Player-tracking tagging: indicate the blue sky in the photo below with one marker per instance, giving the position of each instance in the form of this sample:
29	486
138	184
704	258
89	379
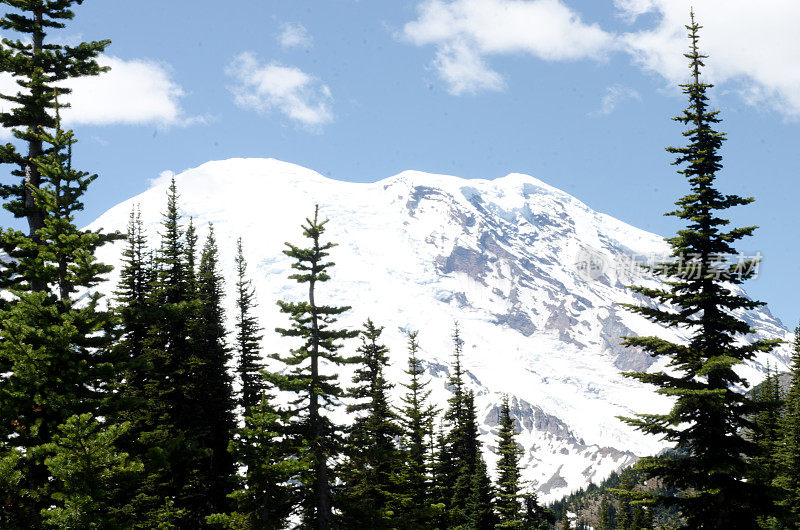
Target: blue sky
577	93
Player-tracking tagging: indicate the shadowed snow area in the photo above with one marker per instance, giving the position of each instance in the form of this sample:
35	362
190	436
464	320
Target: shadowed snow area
532	274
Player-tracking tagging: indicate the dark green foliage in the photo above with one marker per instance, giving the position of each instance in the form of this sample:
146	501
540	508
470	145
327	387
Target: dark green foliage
93	478
39	67
315	436
209	387
607	516
479	505
265	497
56	355
788	458
766	431
537	517
248	336
163	418
460	446
416	418
509	483
709	417
373	459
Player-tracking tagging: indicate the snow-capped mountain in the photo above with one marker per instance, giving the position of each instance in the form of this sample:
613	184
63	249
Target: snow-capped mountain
532	274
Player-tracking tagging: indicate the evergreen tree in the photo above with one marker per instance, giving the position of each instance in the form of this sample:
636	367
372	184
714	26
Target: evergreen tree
316	437
537	517
479	506
39	67
209	387
248	336
132	299
164	431
508	470
416	418
465	447
788	479
56	357
265	497
709	416
369	471
93	479
766	431
460	446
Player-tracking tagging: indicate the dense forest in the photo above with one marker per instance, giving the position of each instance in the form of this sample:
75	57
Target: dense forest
121	413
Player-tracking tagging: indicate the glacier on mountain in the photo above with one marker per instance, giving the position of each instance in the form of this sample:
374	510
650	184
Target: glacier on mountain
533	275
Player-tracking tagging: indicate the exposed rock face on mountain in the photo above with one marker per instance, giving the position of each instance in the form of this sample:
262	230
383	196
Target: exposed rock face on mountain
532	275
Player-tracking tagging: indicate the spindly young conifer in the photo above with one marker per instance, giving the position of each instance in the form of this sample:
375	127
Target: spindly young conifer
372	456
509	482
248	336
316	390
710	416
417	416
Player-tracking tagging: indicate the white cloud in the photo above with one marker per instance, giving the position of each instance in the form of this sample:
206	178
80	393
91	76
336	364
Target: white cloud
133	92
615	94
286	89
752	46
466	32
294	36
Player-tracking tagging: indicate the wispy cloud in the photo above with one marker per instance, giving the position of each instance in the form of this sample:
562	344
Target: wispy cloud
294	36
266	87
468	32
752	46
615	94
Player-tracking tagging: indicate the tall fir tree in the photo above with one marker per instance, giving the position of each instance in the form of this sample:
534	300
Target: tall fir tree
788	479
709	417
766	431
248	336
509	473
209	386
480	501
417	416
316	437
369	471
39	66
56	353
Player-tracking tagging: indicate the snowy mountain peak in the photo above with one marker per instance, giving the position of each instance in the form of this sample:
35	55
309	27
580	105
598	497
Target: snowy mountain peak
533	275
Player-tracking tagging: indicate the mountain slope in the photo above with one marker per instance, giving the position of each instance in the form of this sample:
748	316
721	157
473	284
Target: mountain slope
532	274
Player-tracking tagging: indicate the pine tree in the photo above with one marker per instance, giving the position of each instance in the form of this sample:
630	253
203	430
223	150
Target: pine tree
39	68
209	387
372	456
163	422
55	349
132	298
248	336
317	438
465	448
508	470
479	507
709	416
459	451
788	479
416	419
93	479
766	431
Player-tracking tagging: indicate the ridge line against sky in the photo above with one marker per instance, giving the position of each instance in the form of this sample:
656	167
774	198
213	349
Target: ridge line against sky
576	92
